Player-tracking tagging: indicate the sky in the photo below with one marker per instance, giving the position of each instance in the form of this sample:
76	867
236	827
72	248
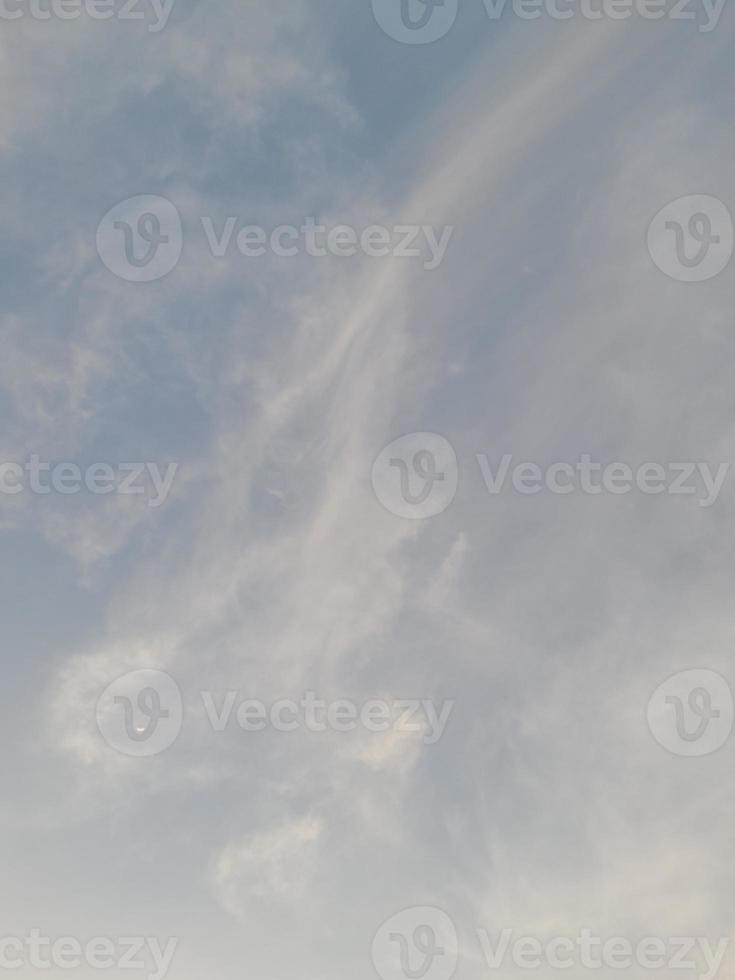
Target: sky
232	476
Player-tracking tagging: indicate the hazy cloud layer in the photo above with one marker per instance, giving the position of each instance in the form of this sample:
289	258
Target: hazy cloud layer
273	570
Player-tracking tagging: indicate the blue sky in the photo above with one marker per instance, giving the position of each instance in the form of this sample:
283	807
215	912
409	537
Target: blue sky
272	569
